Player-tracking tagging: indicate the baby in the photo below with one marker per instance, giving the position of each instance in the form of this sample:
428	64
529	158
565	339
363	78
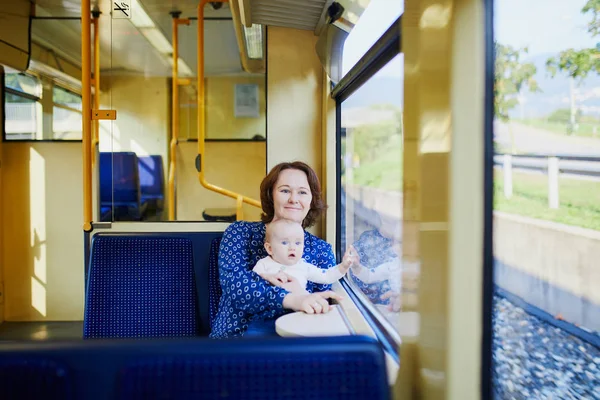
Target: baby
284	241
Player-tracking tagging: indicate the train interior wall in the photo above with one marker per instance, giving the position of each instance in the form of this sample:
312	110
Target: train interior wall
41	202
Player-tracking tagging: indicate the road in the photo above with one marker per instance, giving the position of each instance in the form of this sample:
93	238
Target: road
535	140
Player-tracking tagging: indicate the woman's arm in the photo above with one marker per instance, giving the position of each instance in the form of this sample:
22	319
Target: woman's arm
247	290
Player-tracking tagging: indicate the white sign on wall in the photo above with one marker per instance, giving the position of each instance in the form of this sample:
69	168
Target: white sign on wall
246	101
121	9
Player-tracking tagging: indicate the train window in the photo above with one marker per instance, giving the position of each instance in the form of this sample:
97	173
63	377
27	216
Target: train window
371	187
66	114
546	229
22	95
31	116
374	21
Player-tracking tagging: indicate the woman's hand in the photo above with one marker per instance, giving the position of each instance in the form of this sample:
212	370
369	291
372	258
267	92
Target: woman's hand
315	303
285	281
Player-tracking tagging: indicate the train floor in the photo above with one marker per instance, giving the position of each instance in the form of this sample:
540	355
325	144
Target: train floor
535	360
17	331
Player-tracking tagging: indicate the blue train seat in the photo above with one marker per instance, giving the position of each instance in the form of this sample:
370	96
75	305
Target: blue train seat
152	181
120	185
27	376
140	286
214	284
332	368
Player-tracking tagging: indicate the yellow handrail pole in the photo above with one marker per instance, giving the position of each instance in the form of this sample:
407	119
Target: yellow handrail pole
201	127
175	121
86	115
96	131
239	213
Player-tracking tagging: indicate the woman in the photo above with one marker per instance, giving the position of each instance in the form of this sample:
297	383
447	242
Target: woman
290	191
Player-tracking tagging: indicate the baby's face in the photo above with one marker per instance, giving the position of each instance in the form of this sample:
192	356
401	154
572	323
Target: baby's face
287	244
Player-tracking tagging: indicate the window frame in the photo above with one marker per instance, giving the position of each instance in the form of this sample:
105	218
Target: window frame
388	46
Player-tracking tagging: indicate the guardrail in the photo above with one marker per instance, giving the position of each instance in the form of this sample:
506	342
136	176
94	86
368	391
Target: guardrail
549	164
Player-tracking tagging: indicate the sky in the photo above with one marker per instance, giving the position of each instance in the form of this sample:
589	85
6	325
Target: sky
545	26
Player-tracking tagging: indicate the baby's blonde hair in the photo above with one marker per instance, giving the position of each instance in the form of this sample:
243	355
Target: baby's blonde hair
278	223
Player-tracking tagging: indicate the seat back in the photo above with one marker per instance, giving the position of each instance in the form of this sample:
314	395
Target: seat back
140	286
152	178
214	284
331	368
24	376
119	179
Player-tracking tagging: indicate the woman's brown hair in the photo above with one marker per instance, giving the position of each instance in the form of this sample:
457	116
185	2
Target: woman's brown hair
317	205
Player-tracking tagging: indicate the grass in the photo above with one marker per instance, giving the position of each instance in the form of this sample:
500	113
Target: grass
579	199
384	172
585	128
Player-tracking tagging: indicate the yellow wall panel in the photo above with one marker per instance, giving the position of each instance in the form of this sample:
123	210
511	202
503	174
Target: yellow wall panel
295	87
237	166
42	253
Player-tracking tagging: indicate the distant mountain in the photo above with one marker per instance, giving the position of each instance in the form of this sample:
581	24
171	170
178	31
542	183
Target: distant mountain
555	93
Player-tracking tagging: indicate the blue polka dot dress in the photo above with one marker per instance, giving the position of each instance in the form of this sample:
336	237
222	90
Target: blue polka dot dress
246	296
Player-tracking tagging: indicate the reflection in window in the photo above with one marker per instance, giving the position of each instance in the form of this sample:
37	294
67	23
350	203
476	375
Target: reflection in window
371	177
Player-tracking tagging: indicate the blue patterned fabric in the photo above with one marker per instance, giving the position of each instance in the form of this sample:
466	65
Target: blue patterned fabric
214	286
332	368
31	378
246	296
328	368
140	287
373	250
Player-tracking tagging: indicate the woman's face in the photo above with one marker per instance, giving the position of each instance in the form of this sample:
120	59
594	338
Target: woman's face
291	195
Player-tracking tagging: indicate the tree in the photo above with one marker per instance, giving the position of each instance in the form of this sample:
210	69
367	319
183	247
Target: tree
511	76
578	64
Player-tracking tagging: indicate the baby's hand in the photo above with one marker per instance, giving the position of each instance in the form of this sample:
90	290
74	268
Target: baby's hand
350	258
278	279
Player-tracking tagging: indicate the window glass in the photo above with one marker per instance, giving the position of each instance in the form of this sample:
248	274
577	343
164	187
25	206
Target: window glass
546	207
23	83
20	117
375	20
66	124
371	185
66	98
